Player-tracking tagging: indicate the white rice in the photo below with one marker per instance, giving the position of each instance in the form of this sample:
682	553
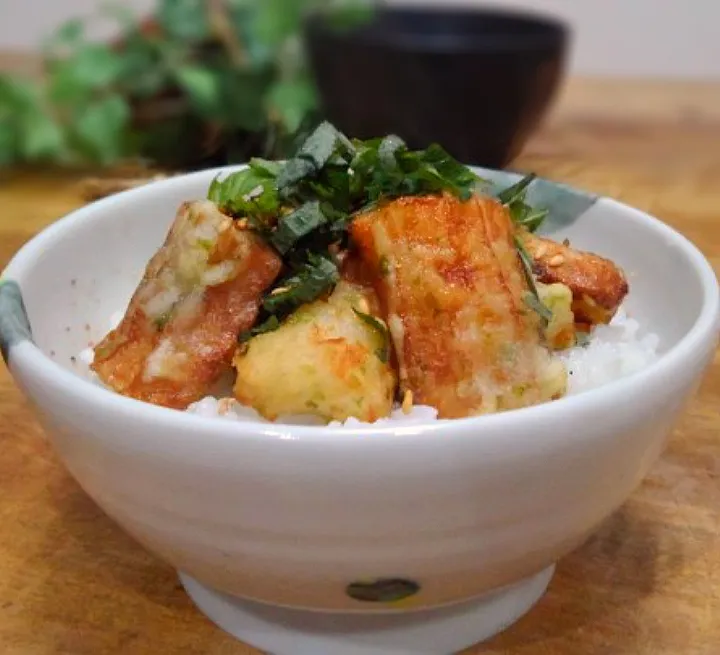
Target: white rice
231	409
614	351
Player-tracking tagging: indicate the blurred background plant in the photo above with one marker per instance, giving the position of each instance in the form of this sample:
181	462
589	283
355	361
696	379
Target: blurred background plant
200	82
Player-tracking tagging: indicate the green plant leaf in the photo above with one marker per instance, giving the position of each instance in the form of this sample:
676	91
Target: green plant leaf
242	15
313	278
120	13
184	19
270	169
268	325
351	13
42	138
68	35
513	197
249	193
100	128
18	95
91	68
317	150
202	87
276	20
295	226
36	135
532	298
144	70
292	101
243	98
264	106
383	353
8	143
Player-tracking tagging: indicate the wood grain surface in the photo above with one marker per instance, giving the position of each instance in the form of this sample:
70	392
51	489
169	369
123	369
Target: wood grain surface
648	583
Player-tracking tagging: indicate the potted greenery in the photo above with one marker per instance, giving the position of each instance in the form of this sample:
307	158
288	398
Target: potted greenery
201	82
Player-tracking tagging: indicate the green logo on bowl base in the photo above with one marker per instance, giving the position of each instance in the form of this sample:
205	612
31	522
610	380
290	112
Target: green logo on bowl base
384	590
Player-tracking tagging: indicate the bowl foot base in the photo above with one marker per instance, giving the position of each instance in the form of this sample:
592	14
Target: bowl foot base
439	631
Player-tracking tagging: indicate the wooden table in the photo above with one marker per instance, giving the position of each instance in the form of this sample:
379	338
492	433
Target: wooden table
647	584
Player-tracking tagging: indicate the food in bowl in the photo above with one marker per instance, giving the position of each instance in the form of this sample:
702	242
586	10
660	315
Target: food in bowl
360	282
402	533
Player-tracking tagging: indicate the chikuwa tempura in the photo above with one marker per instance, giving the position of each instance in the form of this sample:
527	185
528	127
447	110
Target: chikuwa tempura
356	281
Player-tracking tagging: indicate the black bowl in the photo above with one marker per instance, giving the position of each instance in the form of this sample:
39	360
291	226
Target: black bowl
477	82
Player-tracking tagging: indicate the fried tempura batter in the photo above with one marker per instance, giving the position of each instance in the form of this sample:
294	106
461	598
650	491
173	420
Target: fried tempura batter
199	291
454	293
325	360
597	284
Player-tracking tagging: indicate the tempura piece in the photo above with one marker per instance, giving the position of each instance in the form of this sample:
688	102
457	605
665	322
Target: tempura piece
453	288
559	332
597	284
329	359
199	291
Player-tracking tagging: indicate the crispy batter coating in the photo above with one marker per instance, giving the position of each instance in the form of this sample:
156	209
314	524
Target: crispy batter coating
560	332
323	361
454	293
199	291
597	284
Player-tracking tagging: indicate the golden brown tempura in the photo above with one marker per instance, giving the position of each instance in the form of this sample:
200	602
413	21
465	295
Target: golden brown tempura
454	293
597	284
199	291
324	360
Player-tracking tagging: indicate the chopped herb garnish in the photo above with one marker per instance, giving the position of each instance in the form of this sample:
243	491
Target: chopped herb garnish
387	150
517	191
297	225
534	303
268	325
532	299
305	205
319	148
346	176
310	281
249	193
264	166
514	199
383	353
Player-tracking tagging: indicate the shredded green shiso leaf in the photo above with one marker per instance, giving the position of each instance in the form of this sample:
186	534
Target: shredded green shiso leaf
303	206
383	353
514	199
532	299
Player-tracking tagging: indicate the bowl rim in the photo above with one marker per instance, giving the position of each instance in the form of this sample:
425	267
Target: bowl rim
698	341
552	32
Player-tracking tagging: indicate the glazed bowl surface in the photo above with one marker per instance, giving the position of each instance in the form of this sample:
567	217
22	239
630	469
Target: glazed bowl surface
372	519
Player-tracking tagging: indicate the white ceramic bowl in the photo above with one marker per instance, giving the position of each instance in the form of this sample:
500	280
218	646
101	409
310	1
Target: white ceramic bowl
292	516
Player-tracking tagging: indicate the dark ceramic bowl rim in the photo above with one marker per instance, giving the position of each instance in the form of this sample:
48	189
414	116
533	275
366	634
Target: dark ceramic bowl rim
548	32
